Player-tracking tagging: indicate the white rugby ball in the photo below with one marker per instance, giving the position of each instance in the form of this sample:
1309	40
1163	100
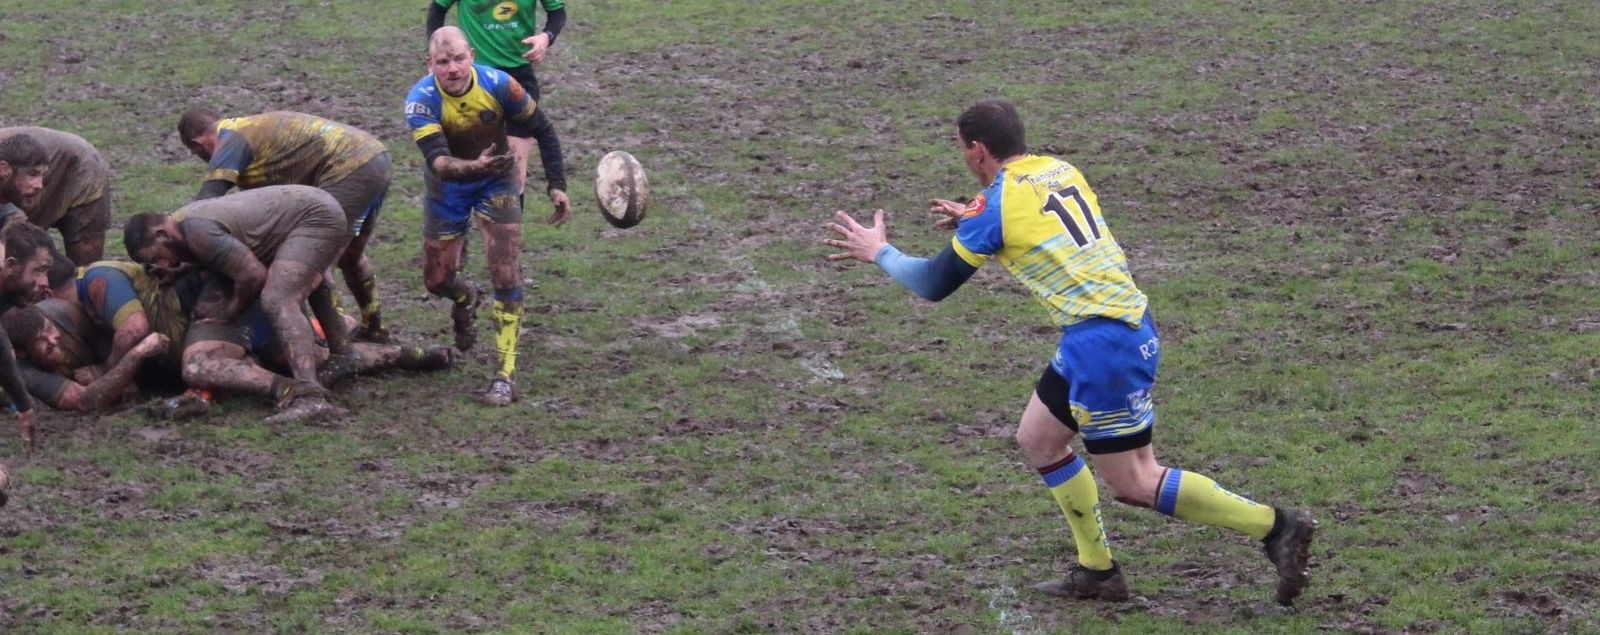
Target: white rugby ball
623	189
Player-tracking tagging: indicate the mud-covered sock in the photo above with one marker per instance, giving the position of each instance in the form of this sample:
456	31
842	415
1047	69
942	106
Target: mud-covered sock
1072	485
508	325
1195	498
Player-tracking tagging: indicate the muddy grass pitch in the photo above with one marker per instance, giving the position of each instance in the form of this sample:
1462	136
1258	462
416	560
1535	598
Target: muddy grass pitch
1368	233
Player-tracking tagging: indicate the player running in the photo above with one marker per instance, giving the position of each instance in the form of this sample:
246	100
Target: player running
1037	215
458	116
291	148
75	194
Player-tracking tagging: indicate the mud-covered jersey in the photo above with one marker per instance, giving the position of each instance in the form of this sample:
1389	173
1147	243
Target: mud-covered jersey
1043	223
261	219
472	121
288	148
77	174
496	28
111	291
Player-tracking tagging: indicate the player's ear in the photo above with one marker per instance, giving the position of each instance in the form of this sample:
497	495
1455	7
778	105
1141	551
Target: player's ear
5	171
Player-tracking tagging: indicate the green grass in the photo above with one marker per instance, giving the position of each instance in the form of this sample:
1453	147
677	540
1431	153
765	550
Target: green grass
1367	232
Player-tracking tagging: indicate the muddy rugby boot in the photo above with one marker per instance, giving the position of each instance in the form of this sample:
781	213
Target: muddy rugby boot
365	333
501	392
339	369
1087	584
463	317
424	359
190	404
302	403
1288	546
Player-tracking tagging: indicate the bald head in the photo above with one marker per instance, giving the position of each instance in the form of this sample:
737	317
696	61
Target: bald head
448	36
450	60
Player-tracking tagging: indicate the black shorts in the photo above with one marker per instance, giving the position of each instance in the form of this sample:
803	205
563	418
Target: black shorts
530	84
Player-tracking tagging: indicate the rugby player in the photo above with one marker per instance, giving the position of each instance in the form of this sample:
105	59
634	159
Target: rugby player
25	272
12	385
273	244
75	191
503	35
1037	215
458	116
291	148
61	371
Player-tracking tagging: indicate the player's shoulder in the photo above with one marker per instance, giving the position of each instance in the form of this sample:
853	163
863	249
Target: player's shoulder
491	78
424	90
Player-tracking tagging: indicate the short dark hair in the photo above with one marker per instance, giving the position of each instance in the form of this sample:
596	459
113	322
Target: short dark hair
62	269
196	121
140	232
24	240
22	326
996	124
23	151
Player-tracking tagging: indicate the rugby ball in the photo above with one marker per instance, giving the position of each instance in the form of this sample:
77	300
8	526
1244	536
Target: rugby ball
622	188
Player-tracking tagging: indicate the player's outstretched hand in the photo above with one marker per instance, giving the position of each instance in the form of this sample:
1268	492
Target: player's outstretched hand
491	163
948	212
538	45
860	243
563	208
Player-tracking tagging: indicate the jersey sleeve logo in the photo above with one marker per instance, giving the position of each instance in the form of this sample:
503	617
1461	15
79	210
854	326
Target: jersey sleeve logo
975	207
418	108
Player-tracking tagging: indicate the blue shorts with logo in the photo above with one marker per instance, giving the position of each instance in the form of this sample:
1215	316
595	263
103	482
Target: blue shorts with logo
1099	382
447	213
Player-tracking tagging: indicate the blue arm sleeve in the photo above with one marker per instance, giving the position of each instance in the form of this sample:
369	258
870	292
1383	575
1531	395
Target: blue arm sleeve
932	279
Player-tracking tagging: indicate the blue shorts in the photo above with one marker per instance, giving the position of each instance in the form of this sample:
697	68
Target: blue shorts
447	213
1100	380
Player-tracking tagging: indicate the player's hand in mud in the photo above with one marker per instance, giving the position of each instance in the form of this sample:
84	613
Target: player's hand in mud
948	212
563	209
859	242
491	163
152	345
538	45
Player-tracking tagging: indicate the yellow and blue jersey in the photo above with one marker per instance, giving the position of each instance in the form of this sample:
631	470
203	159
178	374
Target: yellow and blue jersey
288	148
472	121
111	291
1043	223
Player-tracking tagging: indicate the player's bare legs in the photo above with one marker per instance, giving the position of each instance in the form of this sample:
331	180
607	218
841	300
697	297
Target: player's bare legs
1047	443
441	262
503	244
288	284
363	284
1137	478
327	313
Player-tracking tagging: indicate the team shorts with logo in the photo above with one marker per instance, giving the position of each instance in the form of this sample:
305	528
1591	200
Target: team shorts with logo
1100	380
450	206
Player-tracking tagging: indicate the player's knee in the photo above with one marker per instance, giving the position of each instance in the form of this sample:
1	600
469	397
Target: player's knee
440	285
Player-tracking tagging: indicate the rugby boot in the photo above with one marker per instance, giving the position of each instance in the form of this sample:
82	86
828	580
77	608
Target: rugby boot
1087	584
192	403
430	358
339	369
1288	546
304	402
501	392
463	317
373	334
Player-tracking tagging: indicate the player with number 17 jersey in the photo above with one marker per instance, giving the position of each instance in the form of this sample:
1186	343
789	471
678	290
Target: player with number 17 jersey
1043	223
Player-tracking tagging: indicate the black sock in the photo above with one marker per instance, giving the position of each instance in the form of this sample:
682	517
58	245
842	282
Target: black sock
1277	526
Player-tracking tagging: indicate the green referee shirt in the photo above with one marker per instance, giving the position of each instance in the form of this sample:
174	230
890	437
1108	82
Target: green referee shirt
496	28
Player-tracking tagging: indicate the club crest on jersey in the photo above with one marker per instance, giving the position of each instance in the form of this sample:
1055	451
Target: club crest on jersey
505	11
486	116
974	207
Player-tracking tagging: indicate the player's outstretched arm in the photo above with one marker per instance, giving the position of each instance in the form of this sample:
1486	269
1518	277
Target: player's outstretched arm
451	168
932	279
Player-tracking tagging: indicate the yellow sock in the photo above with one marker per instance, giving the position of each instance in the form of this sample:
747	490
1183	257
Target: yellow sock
508	322
1072	485
1193	497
